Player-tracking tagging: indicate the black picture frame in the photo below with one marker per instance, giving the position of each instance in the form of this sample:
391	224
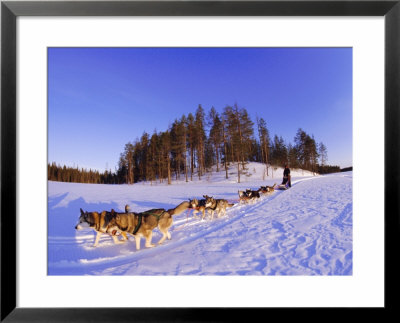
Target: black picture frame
10	10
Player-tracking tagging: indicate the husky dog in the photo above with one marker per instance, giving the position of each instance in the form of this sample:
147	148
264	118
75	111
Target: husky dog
198	206
217	205
100	222
248	195
253	194
143	224
243	196
267	189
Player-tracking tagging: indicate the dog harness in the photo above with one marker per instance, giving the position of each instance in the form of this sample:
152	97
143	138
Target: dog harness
146	213
140	215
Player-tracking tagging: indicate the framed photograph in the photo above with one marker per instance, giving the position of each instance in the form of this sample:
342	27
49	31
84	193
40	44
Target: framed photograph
193	160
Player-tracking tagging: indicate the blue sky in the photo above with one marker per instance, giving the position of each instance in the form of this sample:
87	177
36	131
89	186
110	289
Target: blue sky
99	99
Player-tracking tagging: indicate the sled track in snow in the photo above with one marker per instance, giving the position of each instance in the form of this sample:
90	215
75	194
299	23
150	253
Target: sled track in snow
235	213
79	267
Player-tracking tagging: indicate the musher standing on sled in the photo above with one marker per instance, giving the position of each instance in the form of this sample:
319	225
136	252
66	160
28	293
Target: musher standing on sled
286	176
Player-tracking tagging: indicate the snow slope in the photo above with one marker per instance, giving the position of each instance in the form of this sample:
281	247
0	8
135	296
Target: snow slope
306	230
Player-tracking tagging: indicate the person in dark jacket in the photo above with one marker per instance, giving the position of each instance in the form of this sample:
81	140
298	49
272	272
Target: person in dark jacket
286	176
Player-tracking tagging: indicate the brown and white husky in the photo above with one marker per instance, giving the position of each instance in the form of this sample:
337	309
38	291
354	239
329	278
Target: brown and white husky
142	224
100	222
217	205
198	206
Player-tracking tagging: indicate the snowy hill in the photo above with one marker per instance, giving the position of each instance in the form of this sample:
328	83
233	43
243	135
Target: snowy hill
306	230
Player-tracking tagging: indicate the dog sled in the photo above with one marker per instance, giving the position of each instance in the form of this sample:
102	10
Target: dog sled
286	183
283	186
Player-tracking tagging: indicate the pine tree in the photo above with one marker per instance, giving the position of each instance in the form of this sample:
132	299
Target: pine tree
292	156
300	145
224	135
240	132
323	153
200	139
279	151
232	135
307	150
312	146
166	153
265	140
183	125
191	132
216	135
154	147
177	146
246	134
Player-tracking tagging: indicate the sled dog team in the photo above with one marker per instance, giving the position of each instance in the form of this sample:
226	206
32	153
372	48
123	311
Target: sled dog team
209	204
136	224
250	195
142	224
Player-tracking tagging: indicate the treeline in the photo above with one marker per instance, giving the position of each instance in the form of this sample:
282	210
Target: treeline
75	175
327	169
196	142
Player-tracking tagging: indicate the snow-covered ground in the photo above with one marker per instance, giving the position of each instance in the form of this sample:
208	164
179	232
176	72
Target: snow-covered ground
306	230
